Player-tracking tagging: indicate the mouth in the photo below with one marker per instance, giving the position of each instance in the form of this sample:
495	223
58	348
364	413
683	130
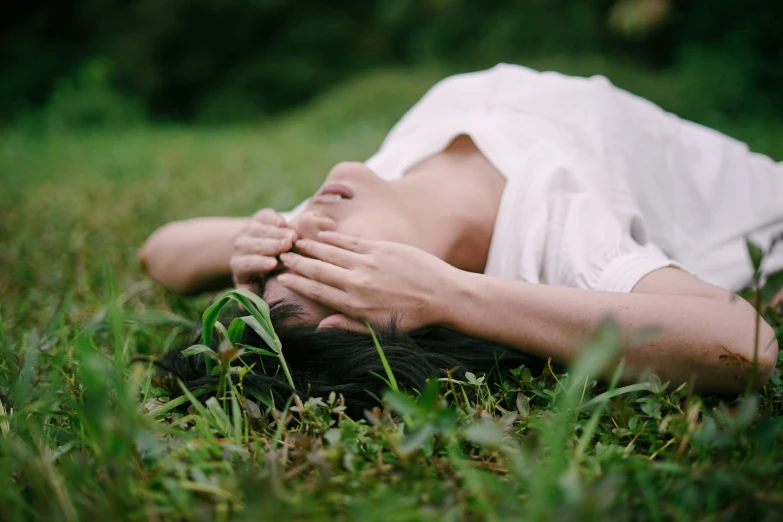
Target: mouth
333	192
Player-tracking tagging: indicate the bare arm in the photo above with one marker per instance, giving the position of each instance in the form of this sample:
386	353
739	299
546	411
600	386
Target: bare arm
192	256
201	254
705	333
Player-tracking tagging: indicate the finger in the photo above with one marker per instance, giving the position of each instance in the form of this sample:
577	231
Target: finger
328	253
261	246
269	217
315	269
256	229
354	244
343	322
318	292
250	268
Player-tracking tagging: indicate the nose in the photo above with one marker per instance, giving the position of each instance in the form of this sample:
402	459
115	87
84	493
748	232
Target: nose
347	169
309	223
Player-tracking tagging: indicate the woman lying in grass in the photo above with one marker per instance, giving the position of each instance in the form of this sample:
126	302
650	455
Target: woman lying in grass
519	208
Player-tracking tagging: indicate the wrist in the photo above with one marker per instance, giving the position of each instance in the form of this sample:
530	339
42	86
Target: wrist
451	300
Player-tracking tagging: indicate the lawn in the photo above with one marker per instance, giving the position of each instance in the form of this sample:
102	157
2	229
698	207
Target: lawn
86	432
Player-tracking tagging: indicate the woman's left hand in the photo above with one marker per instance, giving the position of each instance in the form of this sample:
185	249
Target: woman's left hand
369	281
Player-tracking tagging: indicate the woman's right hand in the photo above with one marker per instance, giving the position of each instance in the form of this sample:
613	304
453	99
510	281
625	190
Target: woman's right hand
264	237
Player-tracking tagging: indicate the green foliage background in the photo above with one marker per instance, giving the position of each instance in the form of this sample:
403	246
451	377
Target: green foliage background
228	60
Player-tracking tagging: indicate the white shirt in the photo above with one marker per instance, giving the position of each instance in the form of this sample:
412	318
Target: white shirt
602	187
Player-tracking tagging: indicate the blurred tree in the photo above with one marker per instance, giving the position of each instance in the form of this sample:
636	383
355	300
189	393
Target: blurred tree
232	59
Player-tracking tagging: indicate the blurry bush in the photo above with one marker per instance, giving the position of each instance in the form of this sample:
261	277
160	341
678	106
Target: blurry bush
214	60
83	101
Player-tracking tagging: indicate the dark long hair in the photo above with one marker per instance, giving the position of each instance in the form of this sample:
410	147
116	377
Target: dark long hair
348	363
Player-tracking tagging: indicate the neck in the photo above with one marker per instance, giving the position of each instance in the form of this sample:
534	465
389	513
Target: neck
451	202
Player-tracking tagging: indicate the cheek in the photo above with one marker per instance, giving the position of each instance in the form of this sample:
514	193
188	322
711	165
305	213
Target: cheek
380	222
367	226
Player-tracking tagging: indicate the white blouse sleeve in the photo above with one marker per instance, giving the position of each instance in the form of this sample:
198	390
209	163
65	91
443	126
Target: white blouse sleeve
588	247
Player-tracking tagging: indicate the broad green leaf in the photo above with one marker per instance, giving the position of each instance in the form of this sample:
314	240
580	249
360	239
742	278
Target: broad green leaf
252	409
235	330
523	405
257	327
416	439
261	305
200	348
219	417
400	402
209	319
333	436
259	310
259	320
484	433
259	351
250	301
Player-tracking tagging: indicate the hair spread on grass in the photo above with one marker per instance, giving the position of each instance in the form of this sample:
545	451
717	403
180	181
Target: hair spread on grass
346	362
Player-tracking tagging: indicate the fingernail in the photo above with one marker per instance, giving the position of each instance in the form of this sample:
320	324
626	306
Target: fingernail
284	279
285	257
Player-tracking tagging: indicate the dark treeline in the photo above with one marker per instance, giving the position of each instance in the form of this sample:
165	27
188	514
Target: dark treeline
193	59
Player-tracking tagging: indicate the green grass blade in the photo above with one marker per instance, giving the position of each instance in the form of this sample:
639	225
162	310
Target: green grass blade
173	403
384	362
589	431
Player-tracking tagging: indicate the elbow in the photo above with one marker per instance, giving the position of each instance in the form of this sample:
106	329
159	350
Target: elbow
752	351
767	353
150	256
156	263
143	257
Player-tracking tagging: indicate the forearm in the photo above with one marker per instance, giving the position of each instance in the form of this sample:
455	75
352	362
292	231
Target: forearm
703	337
191	256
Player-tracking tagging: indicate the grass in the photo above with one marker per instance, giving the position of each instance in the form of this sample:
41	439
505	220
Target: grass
86	433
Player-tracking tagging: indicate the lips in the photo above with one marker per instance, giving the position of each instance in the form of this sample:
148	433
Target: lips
333	192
